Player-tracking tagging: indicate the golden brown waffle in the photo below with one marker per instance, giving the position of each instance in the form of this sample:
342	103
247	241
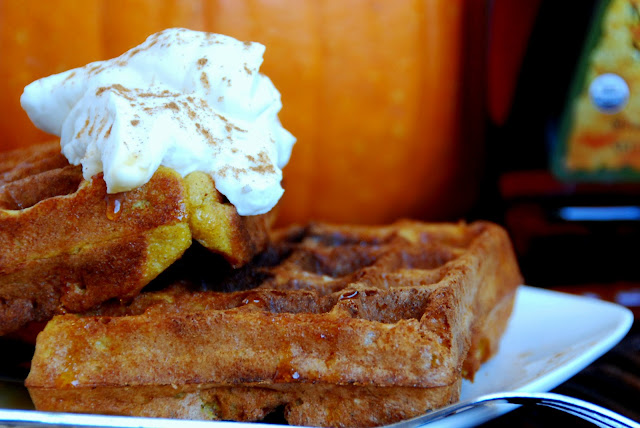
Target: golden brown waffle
66	246
344	326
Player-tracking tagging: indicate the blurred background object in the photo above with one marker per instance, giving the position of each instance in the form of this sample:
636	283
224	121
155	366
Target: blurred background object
510	26
571	227
385	98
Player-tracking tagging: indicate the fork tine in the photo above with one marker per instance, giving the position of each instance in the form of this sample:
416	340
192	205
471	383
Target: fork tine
588	411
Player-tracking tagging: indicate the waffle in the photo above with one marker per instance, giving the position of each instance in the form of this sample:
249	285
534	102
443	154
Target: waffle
341	326
67	246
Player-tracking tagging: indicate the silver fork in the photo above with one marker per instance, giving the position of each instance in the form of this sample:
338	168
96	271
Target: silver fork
582	409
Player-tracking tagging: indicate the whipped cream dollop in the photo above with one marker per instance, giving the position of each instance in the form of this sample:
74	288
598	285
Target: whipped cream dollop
188	100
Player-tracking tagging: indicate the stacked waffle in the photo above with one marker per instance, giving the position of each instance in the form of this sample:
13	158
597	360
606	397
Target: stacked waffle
340	325
67	246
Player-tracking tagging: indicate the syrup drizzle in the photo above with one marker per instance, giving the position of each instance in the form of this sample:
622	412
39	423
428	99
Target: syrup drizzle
114	205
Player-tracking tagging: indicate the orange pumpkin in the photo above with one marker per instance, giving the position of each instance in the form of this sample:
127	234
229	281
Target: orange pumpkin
371	89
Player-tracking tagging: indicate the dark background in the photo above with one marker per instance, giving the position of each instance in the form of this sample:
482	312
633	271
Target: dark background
595	258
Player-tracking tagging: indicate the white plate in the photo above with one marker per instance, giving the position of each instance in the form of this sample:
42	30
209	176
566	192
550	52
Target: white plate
551	336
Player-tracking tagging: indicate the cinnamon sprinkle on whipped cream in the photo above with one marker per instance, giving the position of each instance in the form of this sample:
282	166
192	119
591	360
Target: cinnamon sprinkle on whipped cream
188	100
